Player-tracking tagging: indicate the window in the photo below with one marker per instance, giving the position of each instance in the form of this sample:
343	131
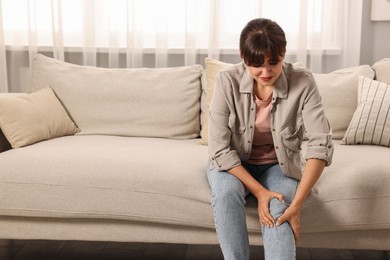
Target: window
173	24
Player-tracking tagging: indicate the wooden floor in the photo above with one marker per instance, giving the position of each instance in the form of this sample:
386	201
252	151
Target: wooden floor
73	250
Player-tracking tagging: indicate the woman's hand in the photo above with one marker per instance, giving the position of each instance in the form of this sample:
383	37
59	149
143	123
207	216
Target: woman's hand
264	197
293	215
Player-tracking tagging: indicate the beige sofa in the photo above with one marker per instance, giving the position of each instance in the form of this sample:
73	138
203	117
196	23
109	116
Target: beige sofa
120	155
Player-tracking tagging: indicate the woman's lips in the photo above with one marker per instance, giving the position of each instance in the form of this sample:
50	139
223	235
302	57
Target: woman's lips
266	78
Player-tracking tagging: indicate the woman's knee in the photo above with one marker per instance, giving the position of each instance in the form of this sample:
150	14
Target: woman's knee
277	208
275	180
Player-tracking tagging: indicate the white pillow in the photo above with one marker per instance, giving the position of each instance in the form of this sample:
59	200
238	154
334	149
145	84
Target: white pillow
30	118
371	121
160	102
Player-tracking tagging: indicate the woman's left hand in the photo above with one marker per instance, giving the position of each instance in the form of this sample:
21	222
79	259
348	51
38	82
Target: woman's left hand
293	215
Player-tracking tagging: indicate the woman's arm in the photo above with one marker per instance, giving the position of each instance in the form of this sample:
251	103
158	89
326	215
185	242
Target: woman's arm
311	174
318	155
222	156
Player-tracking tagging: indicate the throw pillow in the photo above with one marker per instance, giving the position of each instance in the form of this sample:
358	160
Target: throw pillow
213	67
371	121
382	69
30	118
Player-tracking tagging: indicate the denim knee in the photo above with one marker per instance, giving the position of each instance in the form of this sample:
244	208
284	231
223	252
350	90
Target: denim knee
277	208
274	180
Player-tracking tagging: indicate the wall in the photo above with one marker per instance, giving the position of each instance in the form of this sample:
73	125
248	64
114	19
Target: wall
375	44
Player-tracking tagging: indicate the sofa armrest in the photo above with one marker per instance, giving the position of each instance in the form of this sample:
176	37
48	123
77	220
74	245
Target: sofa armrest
4	144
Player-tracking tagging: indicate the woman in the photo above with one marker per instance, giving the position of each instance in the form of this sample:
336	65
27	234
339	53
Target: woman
259	111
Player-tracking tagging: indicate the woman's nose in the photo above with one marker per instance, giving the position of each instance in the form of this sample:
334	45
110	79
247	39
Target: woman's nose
266	70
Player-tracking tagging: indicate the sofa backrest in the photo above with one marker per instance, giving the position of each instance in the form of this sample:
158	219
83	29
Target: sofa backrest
339	91
159	102
382	70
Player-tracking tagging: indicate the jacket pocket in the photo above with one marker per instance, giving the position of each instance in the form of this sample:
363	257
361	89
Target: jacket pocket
292	137
238	137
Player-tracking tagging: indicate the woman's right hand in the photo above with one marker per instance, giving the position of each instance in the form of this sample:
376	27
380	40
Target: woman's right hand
264	197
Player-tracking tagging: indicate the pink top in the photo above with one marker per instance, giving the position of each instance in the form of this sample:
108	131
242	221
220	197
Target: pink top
263	151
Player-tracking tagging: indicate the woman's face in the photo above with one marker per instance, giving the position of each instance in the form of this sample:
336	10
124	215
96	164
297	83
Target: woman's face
267	73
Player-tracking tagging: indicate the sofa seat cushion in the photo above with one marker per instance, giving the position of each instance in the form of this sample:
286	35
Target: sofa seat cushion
148	179
353	193
164	181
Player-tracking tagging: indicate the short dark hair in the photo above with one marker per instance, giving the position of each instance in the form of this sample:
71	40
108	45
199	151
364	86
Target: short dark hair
262	37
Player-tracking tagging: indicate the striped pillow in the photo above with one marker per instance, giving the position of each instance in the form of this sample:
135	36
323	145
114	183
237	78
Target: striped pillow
370	123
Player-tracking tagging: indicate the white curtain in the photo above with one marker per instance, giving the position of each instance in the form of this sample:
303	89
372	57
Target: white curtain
323	34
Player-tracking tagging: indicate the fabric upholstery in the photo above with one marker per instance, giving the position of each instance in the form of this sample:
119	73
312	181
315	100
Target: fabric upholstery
371	121
130	231
91	176
125	102
351	194
339	95
119	178
382	70
30	118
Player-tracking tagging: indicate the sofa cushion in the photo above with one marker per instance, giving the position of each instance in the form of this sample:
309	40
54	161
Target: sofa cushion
164	181
371	121
125	102
30	118
382	70
339	95
108	177
353	193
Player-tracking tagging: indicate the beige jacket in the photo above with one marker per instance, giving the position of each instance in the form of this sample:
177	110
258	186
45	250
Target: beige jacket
296	108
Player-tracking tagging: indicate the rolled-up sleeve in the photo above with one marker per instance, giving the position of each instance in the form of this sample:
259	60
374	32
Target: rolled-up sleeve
222	156
318	130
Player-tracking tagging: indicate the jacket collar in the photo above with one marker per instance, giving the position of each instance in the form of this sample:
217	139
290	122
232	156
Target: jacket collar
280	89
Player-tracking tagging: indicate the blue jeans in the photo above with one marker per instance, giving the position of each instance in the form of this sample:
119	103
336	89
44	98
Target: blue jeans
228	201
